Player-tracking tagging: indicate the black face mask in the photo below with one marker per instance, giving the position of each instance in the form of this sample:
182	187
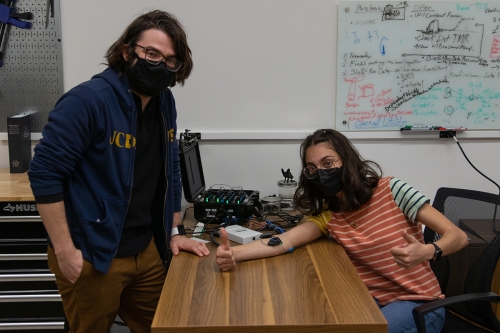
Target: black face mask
329	184
148	79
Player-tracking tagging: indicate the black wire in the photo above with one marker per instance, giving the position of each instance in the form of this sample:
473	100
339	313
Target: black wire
482	174
213	230
184	215
287	220
213	239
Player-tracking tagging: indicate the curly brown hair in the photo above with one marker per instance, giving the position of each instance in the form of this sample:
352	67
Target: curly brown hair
159	20
359	179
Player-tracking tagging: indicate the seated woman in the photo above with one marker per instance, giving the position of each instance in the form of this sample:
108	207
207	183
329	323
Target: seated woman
377	220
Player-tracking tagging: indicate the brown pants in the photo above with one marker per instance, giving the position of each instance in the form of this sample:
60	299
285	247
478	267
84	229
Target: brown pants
131	289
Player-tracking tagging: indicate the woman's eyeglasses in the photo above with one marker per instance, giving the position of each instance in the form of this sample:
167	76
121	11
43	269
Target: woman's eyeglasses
327	167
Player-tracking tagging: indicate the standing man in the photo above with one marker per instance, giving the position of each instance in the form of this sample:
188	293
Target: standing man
107	182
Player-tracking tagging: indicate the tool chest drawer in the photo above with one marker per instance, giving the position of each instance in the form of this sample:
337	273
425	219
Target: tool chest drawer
29	300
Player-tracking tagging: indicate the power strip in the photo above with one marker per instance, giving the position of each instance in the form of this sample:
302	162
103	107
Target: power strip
241	234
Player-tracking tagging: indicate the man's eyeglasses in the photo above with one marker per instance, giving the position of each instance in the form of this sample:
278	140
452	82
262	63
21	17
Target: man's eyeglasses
327	167
154	57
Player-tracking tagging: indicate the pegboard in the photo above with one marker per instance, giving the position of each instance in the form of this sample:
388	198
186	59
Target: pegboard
31	78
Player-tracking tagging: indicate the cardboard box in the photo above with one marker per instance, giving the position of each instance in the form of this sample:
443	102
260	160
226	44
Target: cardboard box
19	136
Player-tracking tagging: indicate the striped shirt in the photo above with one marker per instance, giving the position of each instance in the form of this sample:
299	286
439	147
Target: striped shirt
369	233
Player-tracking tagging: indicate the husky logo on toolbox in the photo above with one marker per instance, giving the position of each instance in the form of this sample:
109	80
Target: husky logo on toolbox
20	208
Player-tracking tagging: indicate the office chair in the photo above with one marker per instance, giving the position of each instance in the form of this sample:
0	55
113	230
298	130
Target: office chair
468	309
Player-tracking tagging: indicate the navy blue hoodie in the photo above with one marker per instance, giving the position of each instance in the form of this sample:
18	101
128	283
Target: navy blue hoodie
86	157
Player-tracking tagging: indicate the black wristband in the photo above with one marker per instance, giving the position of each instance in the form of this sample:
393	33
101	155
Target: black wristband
179	230
437	253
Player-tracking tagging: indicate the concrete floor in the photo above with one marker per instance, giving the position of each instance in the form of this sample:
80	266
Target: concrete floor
119	329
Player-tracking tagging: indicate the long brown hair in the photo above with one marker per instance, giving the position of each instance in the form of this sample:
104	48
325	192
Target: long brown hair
159	20
359	177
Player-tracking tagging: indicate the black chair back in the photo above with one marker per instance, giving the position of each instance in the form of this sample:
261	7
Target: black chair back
477	213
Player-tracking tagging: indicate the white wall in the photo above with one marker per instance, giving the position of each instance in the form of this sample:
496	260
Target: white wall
426	164
240	158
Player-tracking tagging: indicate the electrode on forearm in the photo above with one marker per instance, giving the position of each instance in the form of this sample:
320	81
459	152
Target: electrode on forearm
277	241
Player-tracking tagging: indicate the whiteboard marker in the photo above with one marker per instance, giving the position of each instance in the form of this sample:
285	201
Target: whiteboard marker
415	128
421	128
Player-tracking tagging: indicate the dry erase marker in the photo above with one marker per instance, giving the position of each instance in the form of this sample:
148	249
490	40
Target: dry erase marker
413	128
416	128
421	128
453	128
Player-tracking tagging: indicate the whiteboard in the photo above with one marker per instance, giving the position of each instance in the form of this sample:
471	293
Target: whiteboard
418	64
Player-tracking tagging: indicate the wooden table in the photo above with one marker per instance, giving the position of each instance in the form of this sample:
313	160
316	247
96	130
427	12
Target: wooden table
14	186
313	289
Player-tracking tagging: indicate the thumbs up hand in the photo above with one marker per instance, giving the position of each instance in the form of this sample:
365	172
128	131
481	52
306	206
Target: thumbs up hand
225	255
409	254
